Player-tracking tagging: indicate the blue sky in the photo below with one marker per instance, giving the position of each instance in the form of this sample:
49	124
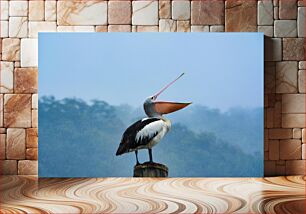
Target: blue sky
223	70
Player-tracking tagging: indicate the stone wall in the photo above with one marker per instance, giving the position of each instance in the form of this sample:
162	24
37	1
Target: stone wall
282	21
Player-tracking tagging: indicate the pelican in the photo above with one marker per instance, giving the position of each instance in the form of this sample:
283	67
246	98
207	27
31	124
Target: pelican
146	133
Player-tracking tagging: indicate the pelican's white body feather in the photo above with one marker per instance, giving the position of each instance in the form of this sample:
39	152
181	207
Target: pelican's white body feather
161	127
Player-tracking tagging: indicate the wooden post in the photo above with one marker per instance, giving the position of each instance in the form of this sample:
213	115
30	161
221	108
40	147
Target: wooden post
149	169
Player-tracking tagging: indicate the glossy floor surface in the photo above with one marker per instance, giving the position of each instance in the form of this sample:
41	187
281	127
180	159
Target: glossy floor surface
140	195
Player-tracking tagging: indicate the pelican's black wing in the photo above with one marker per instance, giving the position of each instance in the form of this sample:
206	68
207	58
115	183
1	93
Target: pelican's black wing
129	141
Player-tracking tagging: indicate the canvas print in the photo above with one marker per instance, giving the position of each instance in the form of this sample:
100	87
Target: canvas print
151	105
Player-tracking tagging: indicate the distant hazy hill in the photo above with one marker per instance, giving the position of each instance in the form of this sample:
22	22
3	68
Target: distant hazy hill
79	139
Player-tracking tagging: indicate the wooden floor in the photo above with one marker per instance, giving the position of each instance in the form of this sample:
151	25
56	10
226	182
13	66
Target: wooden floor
139	195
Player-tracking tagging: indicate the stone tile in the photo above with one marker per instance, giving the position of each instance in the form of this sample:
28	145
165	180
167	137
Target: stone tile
76	28
295	167
293	120
145	13
278	97
277	118
34	101
81	12
301	81
119	12
301	3
180	10
164	9
269	77
265	12
17	64
147	28
266	155
270	118
32	138
1	112
303	151
207	12
34	118
29	53
36	27
275	13
119	28
285	28
27	167
2	146
26	80
301	21
286	77
280	170
273	150
15	143
7	77
290	149
293	103
216	28
297	133
266	146
239	15
18	27
281	162
287	9
303	135
183	26
2	130
199	28
11	49
280	134
167	25
302	65
18	8
17	110
8	167
267	30
50	10
101	28
36	10
4	29
293	49
4	10
32	154
270	168
266	134
275	3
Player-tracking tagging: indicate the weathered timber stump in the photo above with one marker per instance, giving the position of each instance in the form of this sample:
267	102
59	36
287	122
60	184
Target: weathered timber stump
149	169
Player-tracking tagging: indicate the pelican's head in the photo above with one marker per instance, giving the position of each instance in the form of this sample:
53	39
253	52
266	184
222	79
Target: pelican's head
154	108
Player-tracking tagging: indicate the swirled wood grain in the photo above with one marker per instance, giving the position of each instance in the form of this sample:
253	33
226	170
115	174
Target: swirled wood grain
140	195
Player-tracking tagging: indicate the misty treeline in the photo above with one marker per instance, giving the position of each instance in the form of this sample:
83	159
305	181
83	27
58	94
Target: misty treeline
79	139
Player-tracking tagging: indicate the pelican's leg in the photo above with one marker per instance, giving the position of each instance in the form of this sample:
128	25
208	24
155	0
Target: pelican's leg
150	155
136	153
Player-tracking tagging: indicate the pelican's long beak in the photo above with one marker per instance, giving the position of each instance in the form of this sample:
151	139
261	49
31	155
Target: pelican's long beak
164	107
